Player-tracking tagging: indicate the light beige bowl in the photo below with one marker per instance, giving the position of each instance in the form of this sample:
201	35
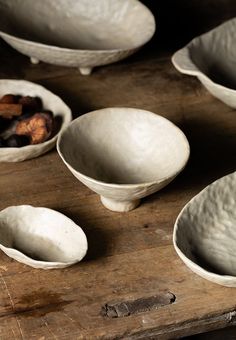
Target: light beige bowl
123	154
78	33
211	58
50	102
205	232
41	237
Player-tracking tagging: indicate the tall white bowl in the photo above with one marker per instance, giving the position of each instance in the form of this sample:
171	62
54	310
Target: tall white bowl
123	154
78	33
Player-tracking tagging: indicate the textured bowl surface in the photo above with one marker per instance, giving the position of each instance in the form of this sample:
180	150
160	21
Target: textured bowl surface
211	57
77	33
41	237
123	153
50	102
205	232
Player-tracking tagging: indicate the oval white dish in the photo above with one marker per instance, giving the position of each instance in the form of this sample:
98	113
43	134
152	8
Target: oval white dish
123	154
211	58
50	102
76	33
41	237
205	235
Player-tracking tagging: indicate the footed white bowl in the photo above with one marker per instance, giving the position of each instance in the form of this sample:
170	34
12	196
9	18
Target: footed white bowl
41	237
78	33
205	232
123	154
211	58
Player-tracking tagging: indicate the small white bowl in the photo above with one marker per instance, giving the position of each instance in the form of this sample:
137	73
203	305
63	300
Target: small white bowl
211	58
78	33
41	237
123	154
50	102
205	232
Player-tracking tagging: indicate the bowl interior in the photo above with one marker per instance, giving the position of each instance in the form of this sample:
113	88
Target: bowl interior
214	53
41	234
79	24
124	146
206	229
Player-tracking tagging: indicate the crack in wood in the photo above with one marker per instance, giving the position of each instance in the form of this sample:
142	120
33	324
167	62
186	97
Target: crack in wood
127	308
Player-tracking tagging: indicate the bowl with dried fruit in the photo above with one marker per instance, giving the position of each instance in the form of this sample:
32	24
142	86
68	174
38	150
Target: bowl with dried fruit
204	234
41	237
30	119
76	33
123	154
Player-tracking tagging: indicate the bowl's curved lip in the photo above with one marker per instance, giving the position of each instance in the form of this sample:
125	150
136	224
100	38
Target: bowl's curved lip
115	185
105	51
49	141
197	268
45	263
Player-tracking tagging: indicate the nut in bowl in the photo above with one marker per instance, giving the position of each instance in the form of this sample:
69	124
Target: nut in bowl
123	154
205	234
41	237
77	33
30	119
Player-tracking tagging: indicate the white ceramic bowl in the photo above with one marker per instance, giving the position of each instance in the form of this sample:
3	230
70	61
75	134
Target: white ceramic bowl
123	154
50	102
211	58
78	33
205	232
41	237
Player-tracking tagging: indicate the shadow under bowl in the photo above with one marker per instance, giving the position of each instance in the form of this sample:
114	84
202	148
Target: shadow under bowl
123	154
205	234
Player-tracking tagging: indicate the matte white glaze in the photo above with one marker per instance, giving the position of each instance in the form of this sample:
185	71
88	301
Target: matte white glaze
76	33
50	102
211	58
41	237
123	154
205	232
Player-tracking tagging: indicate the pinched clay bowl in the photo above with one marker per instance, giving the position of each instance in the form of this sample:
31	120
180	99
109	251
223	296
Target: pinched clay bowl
211	58
41	237
77	33
205	232
50	102
123	154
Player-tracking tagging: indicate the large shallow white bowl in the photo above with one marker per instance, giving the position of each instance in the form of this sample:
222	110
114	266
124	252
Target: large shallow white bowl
41	237
211	58
205	232
123	154
77	33
50	102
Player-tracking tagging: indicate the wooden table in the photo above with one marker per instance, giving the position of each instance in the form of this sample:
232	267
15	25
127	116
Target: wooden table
130	256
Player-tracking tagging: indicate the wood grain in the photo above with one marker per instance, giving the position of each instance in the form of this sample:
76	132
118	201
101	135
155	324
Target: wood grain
130	256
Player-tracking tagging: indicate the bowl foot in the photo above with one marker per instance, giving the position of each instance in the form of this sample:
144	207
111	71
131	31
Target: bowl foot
34	60
120	206
85	71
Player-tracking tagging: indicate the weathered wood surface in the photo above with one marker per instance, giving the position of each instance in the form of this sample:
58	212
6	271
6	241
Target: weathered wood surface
130	256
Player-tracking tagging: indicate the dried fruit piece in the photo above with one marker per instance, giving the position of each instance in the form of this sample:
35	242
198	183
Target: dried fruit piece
38	127
10	110
30	104
9	99
15	141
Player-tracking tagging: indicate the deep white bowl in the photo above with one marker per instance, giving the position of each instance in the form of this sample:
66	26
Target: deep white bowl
123	154
205	232
50	102
41	237
77	33
211	58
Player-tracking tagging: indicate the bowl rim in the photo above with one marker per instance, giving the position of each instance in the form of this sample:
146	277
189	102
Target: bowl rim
188	262
50	140
105	51
40	262
133	185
